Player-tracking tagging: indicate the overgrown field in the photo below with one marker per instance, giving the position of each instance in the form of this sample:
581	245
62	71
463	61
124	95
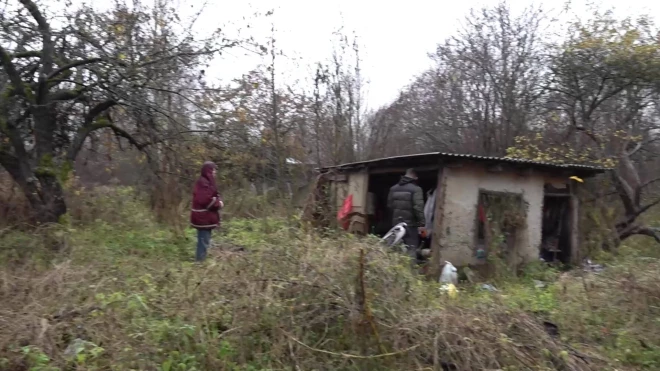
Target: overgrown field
122	293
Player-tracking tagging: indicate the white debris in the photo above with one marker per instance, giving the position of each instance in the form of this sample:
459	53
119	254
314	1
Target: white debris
449	274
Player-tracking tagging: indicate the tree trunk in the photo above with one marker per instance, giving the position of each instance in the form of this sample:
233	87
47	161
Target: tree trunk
42	189
629	188
50	204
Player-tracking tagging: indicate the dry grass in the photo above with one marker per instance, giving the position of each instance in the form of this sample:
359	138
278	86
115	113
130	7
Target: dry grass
618	309
127	294
283	307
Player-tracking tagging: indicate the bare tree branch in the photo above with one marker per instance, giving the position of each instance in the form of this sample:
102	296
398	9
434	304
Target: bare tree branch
10	69
48	48
74	65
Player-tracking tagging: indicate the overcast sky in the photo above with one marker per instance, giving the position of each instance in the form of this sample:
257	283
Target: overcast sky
396	36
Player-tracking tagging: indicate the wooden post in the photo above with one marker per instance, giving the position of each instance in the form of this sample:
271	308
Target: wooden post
436	247
575	222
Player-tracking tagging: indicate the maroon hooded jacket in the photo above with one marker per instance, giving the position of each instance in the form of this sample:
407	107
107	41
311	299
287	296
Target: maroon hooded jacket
206	201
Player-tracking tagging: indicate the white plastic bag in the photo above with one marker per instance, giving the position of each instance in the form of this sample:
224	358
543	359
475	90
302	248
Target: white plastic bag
395	235
429	211
449	274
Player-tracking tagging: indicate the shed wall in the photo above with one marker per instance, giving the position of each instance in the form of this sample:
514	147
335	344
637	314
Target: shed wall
339	190
358	184
457	240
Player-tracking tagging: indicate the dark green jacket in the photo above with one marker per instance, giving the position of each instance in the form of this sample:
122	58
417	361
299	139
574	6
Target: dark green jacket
406	203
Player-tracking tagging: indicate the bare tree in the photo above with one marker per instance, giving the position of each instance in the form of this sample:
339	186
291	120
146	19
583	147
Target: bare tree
62	84
485	88
604	85
338	103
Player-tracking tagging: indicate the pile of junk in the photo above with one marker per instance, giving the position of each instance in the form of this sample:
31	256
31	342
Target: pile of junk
394	240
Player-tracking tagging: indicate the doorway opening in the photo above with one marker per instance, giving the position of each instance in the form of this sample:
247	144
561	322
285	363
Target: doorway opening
380	218
556	228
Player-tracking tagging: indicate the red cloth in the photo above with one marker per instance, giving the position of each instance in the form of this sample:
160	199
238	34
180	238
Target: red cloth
206	200
342	214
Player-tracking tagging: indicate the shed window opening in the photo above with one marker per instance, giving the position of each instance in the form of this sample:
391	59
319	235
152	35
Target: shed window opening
500	218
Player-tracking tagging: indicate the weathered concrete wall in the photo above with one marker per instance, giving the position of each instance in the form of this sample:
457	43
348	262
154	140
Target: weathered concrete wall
358	183
457	240
340	191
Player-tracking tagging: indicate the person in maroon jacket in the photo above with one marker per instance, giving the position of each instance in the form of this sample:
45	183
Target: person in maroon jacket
206	205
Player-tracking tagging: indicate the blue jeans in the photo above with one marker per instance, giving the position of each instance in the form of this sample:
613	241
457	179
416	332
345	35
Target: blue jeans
203	241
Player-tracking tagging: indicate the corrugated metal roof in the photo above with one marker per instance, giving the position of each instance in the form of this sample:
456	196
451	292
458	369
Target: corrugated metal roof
458	156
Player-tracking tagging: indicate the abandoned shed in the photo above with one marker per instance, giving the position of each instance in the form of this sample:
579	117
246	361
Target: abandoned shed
518	209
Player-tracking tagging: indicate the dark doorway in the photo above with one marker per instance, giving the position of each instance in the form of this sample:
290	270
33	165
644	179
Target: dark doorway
556	229
380	220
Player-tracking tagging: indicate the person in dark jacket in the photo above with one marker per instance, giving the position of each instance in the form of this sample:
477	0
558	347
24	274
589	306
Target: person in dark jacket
406	204
206	205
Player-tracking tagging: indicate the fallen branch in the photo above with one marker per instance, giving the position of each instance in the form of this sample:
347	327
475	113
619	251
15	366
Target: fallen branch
75	313
346	355
300	284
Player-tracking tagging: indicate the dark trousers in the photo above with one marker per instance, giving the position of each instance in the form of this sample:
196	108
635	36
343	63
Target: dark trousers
411	240
203	241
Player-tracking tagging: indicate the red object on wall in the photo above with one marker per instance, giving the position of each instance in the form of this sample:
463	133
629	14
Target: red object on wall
342	214
482	213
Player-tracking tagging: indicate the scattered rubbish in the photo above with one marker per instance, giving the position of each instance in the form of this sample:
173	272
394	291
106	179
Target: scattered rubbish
588	266
481	254
450	289
551	328
539	284
488	287
396	235
449	274
470	275
78	346
226	246
74	348
445	366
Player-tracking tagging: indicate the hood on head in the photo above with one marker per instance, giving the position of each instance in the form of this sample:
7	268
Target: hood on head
207	169
406	180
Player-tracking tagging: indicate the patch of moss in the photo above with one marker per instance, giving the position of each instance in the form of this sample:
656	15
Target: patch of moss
48	167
